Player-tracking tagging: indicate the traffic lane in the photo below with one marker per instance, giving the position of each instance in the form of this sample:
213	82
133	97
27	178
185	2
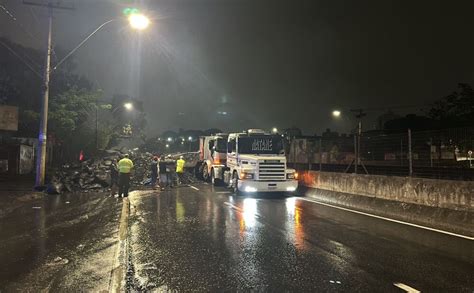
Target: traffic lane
60	242
207	239
186	240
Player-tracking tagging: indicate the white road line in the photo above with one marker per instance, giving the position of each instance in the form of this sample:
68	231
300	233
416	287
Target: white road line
406	288
223	192
390	220
233	206
195	188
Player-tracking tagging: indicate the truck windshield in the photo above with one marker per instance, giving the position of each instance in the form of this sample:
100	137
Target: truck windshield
263	144
221	145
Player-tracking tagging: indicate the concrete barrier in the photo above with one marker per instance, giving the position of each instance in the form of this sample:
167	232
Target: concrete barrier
442	204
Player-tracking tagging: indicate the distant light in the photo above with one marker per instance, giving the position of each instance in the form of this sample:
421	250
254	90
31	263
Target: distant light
128	106
222	113
190	138
182	142
336	113
136	149
167	145
275	130
138	21
170	139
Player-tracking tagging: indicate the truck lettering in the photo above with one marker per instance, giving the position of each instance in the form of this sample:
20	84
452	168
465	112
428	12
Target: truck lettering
262	144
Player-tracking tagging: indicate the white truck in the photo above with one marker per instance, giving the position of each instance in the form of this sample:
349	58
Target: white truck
212	157
256	162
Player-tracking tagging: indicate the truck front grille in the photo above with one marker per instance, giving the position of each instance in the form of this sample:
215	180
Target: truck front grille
271	171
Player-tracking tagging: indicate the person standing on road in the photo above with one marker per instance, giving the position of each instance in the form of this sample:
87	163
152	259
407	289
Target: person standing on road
125	166
114	177
180	169
154	172
170	171
162	172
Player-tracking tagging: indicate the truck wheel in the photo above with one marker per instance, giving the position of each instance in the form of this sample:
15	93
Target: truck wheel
205	173
198	170
235	184
214	180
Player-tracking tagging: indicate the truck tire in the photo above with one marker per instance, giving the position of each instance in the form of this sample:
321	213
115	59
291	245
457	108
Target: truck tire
198	171
205	173
235	184
215	181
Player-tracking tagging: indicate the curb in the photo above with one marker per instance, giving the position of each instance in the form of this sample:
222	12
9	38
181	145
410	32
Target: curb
459	222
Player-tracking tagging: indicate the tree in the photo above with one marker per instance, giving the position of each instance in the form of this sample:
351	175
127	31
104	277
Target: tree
456	109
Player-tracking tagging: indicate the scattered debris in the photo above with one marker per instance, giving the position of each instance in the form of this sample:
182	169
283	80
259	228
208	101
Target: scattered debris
94	174
58	261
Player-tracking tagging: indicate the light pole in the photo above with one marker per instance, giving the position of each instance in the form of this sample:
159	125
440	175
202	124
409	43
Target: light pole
136	21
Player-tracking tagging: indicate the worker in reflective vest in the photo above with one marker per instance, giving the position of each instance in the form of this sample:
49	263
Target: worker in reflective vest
180	169
125	166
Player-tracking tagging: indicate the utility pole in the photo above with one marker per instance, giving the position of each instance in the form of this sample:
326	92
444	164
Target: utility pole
43	130
359	115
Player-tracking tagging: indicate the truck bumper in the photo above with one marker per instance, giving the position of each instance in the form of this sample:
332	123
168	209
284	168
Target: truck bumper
249	186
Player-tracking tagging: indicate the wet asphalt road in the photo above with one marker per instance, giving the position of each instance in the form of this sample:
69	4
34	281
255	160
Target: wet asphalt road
205	239
59	243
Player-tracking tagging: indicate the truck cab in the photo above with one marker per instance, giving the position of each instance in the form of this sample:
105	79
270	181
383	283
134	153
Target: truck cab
213	153
256	162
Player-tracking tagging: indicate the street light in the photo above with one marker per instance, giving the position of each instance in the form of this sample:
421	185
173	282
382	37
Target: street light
336	113
138	21
128	106
275	130
190	138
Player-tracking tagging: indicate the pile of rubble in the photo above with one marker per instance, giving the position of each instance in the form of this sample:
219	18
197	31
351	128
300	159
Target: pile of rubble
94	174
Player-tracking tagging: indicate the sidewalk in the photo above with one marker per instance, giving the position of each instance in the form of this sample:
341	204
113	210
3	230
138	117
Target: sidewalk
15	191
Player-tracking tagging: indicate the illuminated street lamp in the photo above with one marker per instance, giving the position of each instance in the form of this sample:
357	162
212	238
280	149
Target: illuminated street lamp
336	113
170	139
190	138
275	130
128	106
138	21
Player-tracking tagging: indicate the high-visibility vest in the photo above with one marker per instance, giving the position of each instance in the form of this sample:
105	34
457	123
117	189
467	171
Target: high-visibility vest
180	166
125	165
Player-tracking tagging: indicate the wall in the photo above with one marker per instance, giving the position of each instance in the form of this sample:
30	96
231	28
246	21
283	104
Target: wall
454	195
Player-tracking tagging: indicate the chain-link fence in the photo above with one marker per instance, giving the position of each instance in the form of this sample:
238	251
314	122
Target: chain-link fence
439	154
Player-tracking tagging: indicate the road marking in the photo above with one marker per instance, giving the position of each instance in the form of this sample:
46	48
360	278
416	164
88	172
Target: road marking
390	220
195	188
233	206
223	192
406	288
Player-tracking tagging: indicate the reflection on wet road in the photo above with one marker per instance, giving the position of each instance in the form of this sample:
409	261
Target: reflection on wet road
59	243
206	239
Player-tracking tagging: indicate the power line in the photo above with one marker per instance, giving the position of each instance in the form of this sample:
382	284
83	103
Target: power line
21	59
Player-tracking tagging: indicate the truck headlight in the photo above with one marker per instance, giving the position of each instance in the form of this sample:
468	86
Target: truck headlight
293	175
246	175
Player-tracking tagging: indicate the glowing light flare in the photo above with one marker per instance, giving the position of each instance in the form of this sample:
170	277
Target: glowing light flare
249	212
336	113
138	21
128	106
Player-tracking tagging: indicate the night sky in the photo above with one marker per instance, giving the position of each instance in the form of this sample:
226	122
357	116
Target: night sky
264	63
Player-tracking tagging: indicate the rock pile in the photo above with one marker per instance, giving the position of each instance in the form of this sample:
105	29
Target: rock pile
94	174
